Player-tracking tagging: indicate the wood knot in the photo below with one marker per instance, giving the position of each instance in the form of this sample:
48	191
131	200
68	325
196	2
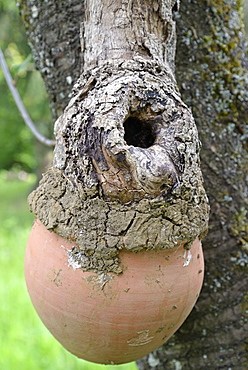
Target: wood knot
140	167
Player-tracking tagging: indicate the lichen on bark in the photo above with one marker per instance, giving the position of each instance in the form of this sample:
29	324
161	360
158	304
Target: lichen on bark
212	77
126	170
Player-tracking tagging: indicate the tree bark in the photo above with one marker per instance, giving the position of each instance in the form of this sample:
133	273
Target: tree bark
127	146
211	70
212	75
53	29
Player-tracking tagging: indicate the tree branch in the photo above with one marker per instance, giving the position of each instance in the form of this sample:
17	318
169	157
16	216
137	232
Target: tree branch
20	105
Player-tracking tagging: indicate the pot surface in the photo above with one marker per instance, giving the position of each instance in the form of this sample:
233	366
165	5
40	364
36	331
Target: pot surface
108	318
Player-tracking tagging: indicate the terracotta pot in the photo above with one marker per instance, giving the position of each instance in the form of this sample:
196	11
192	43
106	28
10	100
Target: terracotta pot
111	319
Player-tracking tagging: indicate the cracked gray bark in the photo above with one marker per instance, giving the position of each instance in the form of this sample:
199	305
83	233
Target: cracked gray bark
211	68
126	170
212	73
56	50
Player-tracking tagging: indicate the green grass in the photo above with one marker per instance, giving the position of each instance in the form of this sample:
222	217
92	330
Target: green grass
25	344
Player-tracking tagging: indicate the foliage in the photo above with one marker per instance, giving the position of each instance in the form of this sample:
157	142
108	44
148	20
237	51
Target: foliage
17	142
25	343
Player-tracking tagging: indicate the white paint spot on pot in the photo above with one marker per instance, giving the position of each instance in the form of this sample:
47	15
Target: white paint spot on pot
188	258
71	260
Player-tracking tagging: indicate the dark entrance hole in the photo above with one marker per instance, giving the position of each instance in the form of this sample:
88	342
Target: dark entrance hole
138	133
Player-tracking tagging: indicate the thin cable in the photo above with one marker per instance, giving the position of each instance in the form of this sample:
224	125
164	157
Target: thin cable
20	104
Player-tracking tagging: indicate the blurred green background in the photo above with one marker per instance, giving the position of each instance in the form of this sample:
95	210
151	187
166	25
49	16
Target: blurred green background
19	149
25	344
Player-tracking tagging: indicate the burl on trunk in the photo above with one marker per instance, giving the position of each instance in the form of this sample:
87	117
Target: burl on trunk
114	262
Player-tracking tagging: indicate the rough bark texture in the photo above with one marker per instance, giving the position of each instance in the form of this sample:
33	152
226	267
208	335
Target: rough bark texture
126	167
53	31
212	74
122	29
108	195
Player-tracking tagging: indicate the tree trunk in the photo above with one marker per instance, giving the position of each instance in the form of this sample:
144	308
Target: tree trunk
53	31
211	69
127	146
212	76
